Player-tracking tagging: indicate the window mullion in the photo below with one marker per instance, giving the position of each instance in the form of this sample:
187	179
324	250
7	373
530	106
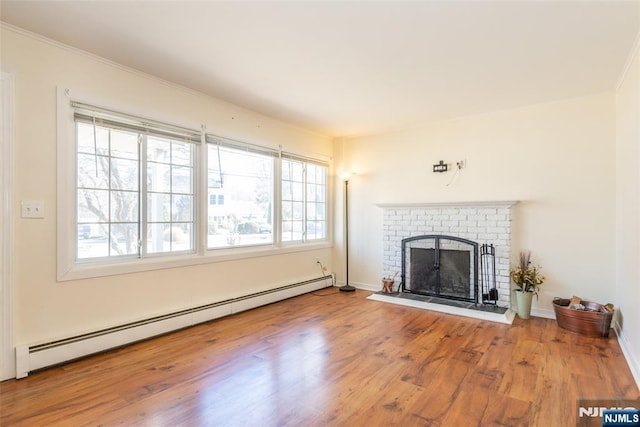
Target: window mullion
276	215
110	233
201	193
304	203
142	194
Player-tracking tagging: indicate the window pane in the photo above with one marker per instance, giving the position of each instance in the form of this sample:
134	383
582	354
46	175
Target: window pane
296	169
316	174
296	191
158	207
87	140
93	171
181	153
292	200
298	211
158	177
182	208
297	230
181	180
124	239
170	175
314	229
303	186
109	190
158	150
287	210
317	207
286	170
240	197
124	206
320	194
166	237
93	205
287	194
93	241
311	211
158	238
124	144
124	174
181	237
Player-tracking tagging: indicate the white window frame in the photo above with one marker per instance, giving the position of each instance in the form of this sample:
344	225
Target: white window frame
67	266
90	119
305	184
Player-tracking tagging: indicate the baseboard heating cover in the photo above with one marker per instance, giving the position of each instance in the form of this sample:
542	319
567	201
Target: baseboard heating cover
34	357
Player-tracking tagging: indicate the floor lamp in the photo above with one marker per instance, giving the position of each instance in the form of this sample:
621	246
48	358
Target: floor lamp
347	287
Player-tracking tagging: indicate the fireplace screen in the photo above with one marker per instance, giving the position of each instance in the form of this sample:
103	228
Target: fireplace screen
441	266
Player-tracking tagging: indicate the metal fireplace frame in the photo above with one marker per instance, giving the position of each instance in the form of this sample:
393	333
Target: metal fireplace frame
437	238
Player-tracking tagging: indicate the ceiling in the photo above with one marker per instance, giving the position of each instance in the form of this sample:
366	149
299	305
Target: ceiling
357	67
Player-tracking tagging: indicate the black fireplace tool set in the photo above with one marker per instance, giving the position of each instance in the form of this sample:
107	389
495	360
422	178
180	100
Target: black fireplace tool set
488	274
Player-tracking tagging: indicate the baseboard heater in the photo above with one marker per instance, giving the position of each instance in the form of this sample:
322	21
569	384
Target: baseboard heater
34	357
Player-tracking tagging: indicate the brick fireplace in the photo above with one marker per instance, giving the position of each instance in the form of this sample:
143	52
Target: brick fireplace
481	222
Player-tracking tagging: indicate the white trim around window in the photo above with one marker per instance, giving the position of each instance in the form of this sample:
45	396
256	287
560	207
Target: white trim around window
69	268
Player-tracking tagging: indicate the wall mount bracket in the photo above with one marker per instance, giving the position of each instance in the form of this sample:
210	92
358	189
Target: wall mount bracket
440	167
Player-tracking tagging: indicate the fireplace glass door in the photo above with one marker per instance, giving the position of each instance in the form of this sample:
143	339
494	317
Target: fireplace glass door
440	266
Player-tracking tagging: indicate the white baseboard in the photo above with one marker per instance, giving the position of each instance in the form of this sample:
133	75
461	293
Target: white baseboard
33	357
543	312
365	286
632	359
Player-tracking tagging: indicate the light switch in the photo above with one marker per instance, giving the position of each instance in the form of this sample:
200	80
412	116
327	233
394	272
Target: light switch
32	209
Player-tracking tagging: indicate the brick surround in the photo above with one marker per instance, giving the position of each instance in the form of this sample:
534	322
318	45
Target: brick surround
483	222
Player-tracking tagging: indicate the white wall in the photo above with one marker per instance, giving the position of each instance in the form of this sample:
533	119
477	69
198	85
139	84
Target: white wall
628	213
46	309
557	159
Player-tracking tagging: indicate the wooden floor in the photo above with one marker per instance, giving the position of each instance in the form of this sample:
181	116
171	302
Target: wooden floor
336	359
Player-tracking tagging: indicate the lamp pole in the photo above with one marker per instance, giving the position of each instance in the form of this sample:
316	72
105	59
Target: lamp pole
347	287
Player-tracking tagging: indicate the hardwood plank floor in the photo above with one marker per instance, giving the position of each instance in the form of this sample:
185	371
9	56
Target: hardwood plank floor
336	359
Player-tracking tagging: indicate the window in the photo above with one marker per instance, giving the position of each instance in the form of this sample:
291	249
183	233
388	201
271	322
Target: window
304	200
135	194
241	179
316	202
108	192
170	195
292	200
135	189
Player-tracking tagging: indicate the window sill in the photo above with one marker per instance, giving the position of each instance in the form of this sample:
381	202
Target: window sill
86	271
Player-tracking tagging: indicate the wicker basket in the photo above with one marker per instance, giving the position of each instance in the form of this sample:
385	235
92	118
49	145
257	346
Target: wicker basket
590	323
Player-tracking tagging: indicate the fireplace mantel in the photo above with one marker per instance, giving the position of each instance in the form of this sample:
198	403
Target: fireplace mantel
484	204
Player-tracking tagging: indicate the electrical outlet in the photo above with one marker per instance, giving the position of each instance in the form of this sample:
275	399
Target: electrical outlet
32	209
